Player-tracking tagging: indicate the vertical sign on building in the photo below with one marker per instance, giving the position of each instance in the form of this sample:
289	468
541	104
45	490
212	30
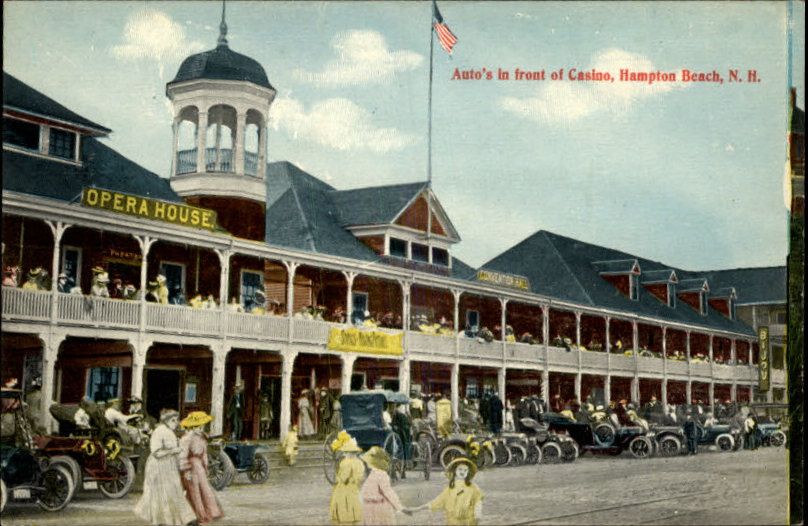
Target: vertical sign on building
763	359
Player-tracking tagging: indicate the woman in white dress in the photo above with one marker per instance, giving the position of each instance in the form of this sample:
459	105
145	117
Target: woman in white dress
305	424
163	500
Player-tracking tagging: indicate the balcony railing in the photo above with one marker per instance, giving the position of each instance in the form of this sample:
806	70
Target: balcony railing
78	310
224	163
250	163
186	161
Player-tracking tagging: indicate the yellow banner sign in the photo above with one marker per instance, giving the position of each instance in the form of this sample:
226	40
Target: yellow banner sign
370	342
506	280
134	205
763	359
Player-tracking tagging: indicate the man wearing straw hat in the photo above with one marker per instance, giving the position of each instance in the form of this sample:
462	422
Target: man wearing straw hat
379	502
194	468
345	507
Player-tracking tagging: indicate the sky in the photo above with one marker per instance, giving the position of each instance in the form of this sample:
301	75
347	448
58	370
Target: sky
688	173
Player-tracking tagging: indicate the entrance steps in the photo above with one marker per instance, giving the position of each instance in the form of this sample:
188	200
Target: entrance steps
309	457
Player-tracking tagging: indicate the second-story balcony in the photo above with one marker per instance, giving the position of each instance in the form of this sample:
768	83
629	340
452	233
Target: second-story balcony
224	162
186	161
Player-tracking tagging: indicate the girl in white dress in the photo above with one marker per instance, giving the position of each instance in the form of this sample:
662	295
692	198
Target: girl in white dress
305	424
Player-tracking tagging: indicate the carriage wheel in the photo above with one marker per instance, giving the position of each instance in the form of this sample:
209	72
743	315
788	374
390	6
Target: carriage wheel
259	471
551	453
120	485
428	437
426	459
534	455
778	439
518	455
640	447
669	446
449	453
330	459
395	449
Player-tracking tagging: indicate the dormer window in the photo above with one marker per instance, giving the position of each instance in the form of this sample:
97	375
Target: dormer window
661	284
40	139
694	293
420	252
398	247
624	274
22	134
440	256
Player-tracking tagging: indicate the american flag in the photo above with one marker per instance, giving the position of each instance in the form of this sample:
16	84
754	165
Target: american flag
445	36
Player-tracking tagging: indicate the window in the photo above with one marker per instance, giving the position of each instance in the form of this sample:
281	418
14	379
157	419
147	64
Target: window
175	281
420	252
471	388
398	247
251	282
778	317
359	304
671	295
103	383
71	264
21	133
634	286
440	256
62	144
473	320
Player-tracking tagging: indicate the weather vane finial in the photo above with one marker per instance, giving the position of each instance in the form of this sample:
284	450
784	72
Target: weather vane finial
223	28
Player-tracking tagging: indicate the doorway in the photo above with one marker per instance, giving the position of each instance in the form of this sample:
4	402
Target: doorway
163	389
271	389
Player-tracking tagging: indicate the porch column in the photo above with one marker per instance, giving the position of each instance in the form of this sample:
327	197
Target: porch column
404	376
635	391
145	243
287	365
455	390
50	353
607	390
224	276
578	329
201	141
57	229
733	352
405	305
456	312
545	385
750	354
664	393
635	382
578	380
217	388
710	350
664	358
291	267
635	338
503	317
733	392
238	146
262	149
545	326
751	394
346	373
689	391
349	279
175	131
687	356
711	394
501	372
140	350
608	345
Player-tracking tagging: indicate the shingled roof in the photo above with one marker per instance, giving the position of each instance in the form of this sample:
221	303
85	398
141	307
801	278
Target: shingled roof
19	96
376	205
754	286
562	267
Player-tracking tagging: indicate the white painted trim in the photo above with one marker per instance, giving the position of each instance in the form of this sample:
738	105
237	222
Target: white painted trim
398	231
38	155
97	131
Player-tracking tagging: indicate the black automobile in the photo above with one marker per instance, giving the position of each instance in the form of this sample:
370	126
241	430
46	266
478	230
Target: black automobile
25	474
603	438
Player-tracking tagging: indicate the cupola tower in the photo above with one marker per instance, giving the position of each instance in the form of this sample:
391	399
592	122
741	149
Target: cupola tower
221	103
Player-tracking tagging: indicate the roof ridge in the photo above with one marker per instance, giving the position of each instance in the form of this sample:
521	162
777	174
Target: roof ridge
308	239
422	184
567	267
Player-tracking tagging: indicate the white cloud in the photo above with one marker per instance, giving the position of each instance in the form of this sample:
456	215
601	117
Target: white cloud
337	123
152	35
363	59
566	101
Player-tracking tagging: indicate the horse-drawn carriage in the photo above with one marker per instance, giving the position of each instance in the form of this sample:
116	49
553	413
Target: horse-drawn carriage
363	419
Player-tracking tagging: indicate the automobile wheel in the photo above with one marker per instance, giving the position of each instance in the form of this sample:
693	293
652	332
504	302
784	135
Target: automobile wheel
569	451
778	439
518	455
3	495
669	446
121	484
450	453
604	434
502	454
533	454
220	470
57	488
725	442
259	471
426	459
641	447
73	468
330	459
551	453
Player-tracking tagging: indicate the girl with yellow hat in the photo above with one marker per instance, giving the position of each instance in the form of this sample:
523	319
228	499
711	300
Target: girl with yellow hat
194	468
345	507
461	502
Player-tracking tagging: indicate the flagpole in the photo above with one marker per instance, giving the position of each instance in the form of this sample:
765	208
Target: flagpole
429	125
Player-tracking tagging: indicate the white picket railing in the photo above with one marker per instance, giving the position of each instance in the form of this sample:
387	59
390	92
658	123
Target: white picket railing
621	362
561	356
258	326
649	364
723	372
430	343
677	367
470	347
700	369
88	310
523	352
594	359
183	320
26	304
311	331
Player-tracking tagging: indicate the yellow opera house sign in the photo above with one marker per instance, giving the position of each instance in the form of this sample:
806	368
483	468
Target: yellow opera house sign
155	209
369	342
505	280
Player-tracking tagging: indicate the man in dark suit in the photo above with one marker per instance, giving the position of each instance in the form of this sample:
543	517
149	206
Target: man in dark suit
691	430
496	414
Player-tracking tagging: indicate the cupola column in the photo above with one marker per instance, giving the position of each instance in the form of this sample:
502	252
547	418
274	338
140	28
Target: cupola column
201	140
262	149
241	126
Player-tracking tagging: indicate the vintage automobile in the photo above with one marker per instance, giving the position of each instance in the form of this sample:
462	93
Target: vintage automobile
725	437
226	459
771	434
479	448
547	446
26	474
362	418
603	438
669	440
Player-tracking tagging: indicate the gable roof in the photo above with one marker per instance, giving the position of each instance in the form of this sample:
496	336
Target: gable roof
374	205
102	167
659	276
694	285
562	267
761	285
616	266
21	97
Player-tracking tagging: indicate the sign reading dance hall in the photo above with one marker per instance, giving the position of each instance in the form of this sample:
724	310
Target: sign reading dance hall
506	280
370	342
155	209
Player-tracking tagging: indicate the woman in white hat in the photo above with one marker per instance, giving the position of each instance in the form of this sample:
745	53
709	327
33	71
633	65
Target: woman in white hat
345	507
163	501
194	468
